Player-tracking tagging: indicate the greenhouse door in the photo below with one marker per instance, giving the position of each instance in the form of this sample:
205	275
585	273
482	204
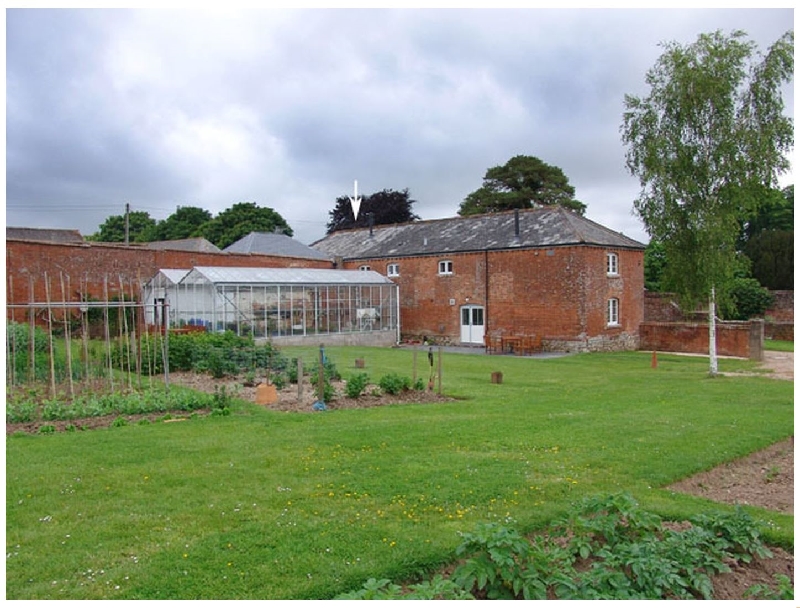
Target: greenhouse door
472	324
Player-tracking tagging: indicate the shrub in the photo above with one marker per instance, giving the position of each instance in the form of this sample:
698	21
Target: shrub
394	384
356	385
749	299
328	392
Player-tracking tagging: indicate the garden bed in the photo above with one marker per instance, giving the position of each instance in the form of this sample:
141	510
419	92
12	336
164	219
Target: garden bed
289	401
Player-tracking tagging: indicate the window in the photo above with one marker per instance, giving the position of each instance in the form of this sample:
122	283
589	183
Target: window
364	268
613	312
612	264
393	270
445	267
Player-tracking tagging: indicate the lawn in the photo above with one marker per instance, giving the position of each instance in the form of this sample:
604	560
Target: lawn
269	505
779	345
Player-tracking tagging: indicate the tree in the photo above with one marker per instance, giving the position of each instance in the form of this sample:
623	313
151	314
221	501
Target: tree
654	262
767	239
113	229
706	144
381	208
522	183
185	223
771	253
240	220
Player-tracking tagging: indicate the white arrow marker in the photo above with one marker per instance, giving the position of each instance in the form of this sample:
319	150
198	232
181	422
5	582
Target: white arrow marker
355	200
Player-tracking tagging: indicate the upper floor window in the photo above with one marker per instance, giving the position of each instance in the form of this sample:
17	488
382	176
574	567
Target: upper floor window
613	311
445	267
612	264
364	268
393	270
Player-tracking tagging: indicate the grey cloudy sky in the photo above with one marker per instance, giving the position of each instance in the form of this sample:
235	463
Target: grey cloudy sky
164	108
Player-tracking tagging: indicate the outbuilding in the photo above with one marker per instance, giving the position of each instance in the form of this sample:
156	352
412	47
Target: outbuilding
542	279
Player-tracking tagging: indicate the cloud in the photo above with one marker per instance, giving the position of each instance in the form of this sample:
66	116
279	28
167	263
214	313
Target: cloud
286	108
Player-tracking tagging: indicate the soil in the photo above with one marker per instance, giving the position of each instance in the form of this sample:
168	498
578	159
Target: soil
764	479
291	400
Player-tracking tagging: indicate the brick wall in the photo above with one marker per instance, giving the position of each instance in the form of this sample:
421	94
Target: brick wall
560	295
782	309
87	266
734	339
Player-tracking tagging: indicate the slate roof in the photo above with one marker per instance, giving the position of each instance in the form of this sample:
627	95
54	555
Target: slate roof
541	227
195	244
271	243
50	235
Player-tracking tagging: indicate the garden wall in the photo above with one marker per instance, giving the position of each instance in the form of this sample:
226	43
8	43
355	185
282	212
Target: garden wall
779	318
88	267
368	338
734	338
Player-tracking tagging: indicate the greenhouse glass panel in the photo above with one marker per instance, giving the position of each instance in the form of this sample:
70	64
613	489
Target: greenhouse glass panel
281	302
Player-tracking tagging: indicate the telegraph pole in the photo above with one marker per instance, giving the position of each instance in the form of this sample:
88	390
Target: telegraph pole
127	221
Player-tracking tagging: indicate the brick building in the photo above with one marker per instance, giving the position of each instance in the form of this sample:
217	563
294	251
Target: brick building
538	279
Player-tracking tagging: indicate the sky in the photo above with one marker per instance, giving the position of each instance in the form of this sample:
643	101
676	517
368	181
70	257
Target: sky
165	108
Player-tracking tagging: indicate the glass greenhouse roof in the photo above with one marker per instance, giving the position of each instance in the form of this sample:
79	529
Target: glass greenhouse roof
283	276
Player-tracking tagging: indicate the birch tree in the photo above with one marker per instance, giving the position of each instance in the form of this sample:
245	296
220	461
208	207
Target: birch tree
707	143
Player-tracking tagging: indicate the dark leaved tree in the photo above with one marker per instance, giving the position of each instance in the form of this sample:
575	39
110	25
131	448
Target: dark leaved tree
384	207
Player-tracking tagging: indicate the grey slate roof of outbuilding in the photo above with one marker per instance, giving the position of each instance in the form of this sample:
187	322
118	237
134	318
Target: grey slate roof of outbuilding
271	243
51	235
541	227
194	244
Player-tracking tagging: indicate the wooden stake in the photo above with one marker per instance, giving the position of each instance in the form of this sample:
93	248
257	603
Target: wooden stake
124	335
300	379
107	334
31	336
85	328
67	336
12	356
50	332
440	370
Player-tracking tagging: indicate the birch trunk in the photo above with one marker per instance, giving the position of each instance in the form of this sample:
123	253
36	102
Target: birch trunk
712	334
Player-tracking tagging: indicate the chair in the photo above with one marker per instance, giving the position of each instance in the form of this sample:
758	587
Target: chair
492	343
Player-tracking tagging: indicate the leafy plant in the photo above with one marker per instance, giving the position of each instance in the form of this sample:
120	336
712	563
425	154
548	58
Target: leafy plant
221	402
784	590
356	385
394	384
328	392
497	563
624	552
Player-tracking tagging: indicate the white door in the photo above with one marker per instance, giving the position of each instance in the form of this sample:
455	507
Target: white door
472	324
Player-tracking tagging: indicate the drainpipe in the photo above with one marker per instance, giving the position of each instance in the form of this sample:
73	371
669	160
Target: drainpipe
486	293
397	303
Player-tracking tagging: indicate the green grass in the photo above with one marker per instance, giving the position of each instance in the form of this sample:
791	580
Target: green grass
780	345
269	505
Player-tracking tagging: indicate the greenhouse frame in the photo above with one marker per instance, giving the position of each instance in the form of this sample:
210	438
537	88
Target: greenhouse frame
278	303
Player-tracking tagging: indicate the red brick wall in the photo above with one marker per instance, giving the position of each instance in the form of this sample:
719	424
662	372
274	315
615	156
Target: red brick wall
558	295
734	339
91	263
782	309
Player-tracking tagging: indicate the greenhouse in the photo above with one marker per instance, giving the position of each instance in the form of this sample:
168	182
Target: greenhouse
282	303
